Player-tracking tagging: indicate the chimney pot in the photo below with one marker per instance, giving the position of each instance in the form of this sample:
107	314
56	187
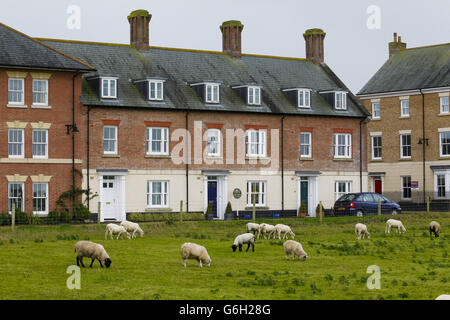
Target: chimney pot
396	45
139	29
314	45
395	36
231	38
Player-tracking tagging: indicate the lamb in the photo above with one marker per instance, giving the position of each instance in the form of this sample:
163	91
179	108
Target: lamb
246	238
132	227
295	248
113	229
265	229
394	223
91	250
195	251
361	231
443	297
435	228
282	228
253	227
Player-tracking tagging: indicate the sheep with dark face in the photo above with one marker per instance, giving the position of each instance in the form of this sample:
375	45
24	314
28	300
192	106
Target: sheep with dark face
246	238
91	250
435	228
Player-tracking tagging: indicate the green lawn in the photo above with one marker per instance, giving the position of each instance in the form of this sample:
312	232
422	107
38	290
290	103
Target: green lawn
34	259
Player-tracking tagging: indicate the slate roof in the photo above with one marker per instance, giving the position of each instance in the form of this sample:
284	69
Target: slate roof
182	67
409	69
20	51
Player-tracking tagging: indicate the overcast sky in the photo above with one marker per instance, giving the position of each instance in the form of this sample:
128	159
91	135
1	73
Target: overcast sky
352	50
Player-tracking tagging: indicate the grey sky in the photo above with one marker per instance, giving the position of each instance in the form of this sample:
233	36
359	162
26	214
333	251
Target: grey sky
272	27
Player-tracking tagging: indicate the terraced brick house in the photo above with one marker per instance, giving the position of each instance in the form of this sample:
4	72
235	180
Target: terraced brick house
409	135
39	108
269	131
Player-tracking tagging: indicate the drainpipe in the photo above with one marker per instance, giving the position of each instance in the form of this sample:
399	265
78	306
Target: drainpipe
88	162
423	146
360	156
282	163
73	140
187	161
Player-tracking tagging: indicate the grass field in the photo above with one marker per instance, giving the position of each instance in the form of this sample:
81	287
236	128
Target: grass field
34	260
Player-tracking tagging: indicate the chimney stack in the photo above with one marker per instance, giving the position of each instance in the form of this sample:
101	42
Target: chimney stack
231	38
139	29
396	45
314	45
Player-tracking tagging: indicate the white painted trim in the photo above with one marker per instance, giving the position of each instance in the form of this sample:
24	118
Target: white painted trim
43	161
444	129
376	133
404	131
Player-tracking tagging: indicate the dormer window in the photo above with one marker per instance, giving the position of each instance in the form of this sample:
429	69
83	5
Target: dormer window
304	98
340	100
109	88
156	90
254	96
212	93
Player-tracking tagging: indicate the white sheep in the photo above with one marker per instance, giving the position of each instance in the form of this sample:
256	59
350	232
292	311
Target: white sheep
266	229
361	231
246	238
295	248
396	224
253	227
435	228
112	229
91	250
282	228
443	297
132	227
195	251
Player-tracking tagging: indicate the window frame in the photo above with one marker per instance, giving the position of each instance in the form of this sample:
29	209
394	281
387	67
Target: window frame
407	187
109	80
22	143
403	115
348	147
309	155
164	143
256	98
261	194
441	145
45	104
301	98
380	147
402	146
261	146
22	92
343	105
213	99
348	187
373	111
116	140
218	142
155	83
437	176
40	143
22	184
441	104
150	193
46	198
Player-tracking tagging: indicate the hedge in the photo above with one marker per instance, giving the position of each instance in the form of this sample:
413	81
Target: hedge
149	217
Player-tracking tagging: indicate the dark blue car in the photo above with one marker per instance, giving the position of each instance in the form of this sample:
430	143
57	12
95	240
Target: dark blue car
365	203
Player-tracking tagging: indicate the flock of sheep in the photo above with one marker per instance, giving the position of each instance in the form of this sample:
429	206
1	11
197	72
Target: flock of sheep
195	251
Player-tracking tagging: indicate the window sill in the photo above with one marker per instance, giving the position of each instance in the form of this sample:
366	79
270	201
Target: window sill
35	106
306	159
214	158
404	117
158	209
110	156
257	208
444	157
154	156
376	119
343	159
405	159
20	106
257	158
377	160
444	114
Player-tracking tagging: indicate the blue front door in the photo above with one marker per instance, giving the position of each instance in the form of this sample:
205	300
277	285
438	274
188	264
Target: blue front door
212	195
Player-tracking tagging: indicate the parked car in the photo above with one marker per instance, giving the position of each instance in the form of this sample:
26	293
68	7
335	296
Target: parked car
365	203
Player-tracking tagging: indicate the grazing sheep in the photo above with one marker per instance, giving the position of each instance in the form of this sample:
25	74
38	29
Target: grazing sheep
253	227
435	228
361	231
294	248
396	224
266	229
91	250
443	297
246	238
282	228
195	251
132	227
113	229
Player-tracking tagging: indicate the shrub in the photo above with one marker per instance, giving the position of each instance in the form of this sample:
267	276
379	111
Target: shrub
21	217
229	209
53	217
64	217
302	209
135	217
318	209
5	219
209	210
81	213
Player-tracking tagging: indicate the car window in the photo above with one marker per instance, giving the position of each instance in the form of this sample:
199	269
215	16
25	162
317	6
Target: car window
376	196
368	198
347	197
386	199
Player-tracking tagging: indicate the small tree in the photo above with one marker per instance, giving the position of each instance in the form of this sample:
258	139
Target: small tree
209	210
318	209
302	209
229	209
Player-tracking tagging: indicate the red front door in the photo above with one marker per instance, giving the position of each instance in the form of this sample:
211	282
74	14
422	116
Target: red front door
378	186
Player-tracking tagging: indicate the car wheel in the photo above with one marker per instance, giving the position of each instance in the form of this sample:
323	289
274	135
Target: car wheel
394	212
359	213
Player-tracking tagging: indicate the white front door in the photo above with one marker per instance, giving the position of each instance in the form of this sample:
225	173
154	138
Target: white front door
110	197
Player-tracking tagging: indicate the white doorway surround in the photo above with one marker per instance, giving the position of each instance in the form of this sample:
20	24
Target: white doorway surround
221	184
112	194
308	180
